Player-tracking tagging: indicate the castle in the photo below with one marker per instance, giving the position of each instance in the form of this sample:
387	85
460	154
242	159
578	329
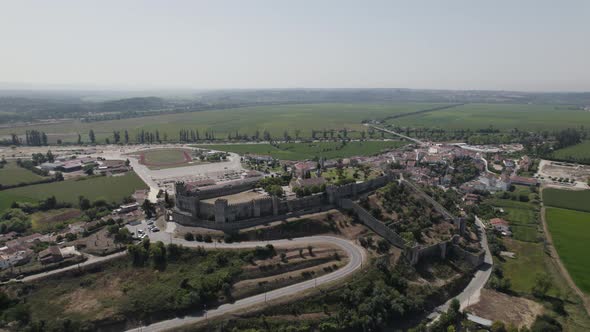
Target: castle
194	207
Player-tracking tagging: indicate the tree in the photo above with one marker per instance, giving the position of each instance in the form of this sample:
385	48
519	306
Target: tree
89	169
83	203
542	285
116	136
158	255
148	208
59	176
91	136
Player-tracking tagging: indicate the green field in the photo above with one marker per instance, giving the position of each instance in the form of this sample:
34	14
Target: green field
500	116
524	233
520	215
567	199
571	234
12	174
109	188
577	153
302	151
528	263
247	120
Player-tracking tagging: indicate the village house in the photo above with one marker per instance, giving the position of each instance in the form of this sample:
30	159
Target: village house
25	241
14	256
471	199
304	168
501	226
525	163
128	207
50	255
531	182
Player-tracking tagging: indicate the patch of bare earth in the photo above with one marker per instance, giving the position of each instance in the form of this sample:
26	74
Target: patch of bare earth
517	311
88	301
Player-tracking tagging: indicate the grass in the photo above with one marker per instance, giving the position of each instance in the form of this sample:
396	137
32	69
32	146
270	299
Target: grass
246	120
519	215
570	231
109	188
53	219
567	199
577	153
524	233
502	116
12	174
302	151
523	270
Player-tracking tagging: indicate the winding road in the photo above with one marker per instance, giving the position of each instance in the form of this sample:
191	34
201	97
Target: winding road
356	254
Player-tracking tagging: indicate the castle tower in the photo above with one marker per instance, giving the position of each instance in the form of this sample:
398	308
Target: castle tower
220	210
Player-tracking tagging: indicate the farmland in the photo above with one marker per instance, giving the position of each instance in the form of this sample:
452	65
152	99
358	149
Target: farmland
302	151
576	153
501	116
112	189
276	119
12	174
567	199
571	233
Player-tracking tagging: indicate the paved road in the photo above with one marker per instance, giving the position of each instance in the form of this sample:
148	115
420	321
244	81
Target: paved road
470	295
398	134
356	254
91	260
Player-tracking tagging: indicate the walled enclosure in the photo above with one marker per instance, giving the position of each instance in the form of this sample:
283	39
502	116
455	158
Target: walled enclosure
221	215
192	210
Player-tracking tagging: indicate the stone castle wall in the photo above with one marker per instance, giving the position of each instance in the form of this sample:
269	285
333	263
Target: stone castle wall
191	210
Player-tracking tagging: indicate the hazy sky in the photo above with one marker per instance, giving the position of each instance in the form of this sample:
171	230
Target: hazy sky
444	44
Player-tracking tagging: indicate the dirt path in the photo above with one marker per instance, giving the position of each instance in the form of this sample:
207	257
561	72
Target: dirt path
555	256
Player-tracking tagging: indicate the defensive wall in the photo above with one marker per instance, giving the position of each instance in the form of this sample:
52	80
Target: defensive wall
414	254
192	210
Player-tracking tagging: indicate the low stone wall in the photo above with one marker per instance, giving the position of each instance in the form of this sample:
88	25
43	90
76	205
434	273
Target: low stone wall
374	224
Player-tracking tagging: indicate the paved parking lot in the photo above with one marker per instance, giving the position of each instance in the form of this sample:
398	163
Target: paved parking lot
141	227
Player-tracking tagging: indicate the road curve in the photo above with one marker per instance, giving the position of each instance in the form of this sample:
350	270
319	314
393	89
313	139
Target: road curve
355	253
470	295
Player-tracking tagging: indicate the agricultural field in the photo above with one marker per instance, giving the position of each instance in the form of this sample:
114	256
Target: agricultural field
302	151
570	231
246	120
567	199
501	116
165	158
12	174
576	153
110	188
